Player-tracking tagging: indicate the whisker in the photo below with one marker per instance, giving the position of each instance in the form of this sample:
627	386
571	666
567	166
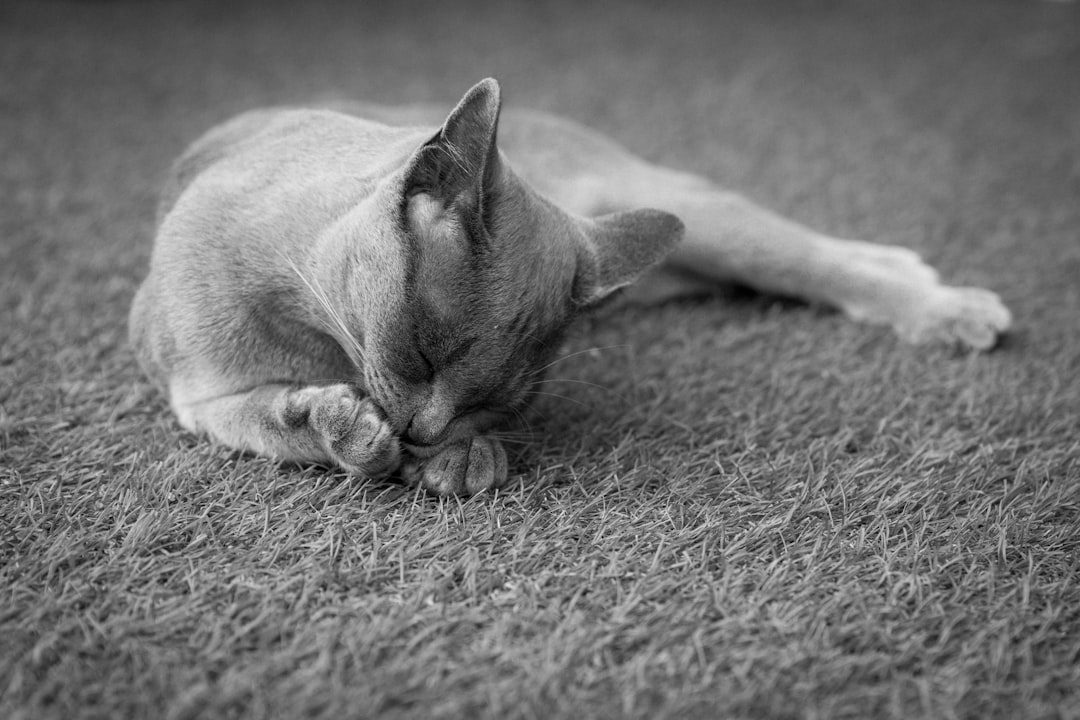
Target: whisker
569	380
335	323
574	354
317	381
561	397
511	440
512	433
610	391
522	418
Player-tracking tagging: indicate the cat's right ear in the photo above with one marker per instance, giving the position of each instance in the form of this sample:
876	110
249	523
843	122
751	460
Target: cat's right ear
458	164
619	248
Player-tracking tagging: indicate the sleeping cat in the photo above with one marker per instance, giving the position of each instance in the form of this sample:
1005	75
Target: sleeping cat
379	293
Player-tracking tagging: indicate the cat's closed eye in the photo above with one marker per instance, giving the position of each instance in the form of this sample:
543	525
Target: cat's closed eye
415	368
409	363
426	364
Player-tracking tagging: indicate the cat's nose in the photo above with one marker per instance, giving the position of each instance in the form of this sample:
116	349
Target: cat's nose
422	431
432	417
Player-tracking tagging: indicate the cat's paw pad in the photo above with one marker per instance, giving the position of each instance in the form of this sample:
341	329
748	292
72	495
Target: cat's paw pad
462	468
354	430
967	316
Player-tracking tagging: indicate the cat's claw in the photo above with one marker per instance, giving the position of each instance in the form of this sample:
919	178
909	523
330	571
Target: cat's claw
462	468
354	430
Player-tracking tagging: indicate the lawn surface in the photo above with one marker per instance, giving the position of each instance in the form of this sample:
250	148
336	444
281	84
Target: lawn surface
750	508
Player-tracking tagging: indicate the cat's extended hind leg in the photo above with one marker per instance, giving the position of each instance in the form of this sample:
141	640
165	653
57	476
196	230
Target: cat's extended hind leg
332	424
729	238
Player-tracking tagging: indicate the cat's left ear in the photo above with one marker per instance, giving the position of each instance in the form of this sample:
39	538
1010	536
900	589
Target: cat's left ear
620	248
461	161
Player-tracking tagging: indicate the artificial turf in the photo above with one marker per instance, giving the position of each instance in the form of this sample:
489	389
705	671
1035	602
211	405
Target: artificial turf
739	507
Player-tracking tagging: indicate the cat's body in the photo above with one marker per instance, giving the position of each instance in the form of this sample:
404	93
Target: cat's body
376	294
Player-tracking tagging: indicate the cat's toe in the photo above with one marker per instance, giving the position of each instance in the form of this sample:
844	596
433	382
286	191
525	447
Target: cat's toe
463	468
333	409
967	316
356	432
487	466
371	447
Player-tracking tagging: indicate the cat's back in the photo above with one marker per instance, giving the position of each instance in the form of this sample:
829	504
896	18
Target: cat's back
266	148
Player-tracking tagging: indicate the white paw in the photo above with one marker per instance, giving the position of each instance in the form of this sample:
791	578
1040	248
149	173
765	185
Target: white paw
462	468
354	430
968	316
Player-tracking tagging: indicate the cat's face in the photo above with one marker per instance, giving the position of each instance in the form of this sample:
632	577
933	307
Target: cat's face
493	275
483	312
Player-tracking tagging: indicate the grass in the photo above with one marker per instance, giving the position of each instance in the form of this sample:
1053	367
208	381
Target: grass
751	508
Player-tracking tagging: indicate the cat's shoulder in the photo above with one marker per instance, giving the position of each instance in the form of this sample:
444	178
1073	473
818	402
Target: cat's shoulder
288	143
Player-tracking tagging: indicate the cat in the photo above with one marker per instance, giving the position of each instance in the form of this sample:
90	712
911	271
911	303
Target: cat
369	288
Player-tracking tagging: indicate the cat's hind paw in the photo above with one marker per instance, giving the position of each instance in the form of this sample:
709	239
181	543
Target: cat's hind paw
354	430
966	316
462	468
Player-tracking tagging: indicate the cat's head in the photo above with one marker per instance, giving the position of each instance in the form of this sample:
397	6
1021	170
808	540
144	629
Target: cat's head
494	274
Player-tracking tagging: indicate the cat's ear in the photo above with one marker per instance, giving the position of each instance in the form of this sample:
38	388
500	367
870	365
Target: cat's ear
619	248
461	160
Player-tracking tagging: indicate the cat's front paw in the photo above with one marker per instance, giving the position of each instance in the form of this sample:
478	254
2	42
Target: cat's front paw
462	468
354	430
967	316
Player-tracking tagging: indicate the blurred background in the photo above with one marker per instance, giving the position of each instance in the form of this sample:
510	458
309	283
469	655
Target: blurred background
850	527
